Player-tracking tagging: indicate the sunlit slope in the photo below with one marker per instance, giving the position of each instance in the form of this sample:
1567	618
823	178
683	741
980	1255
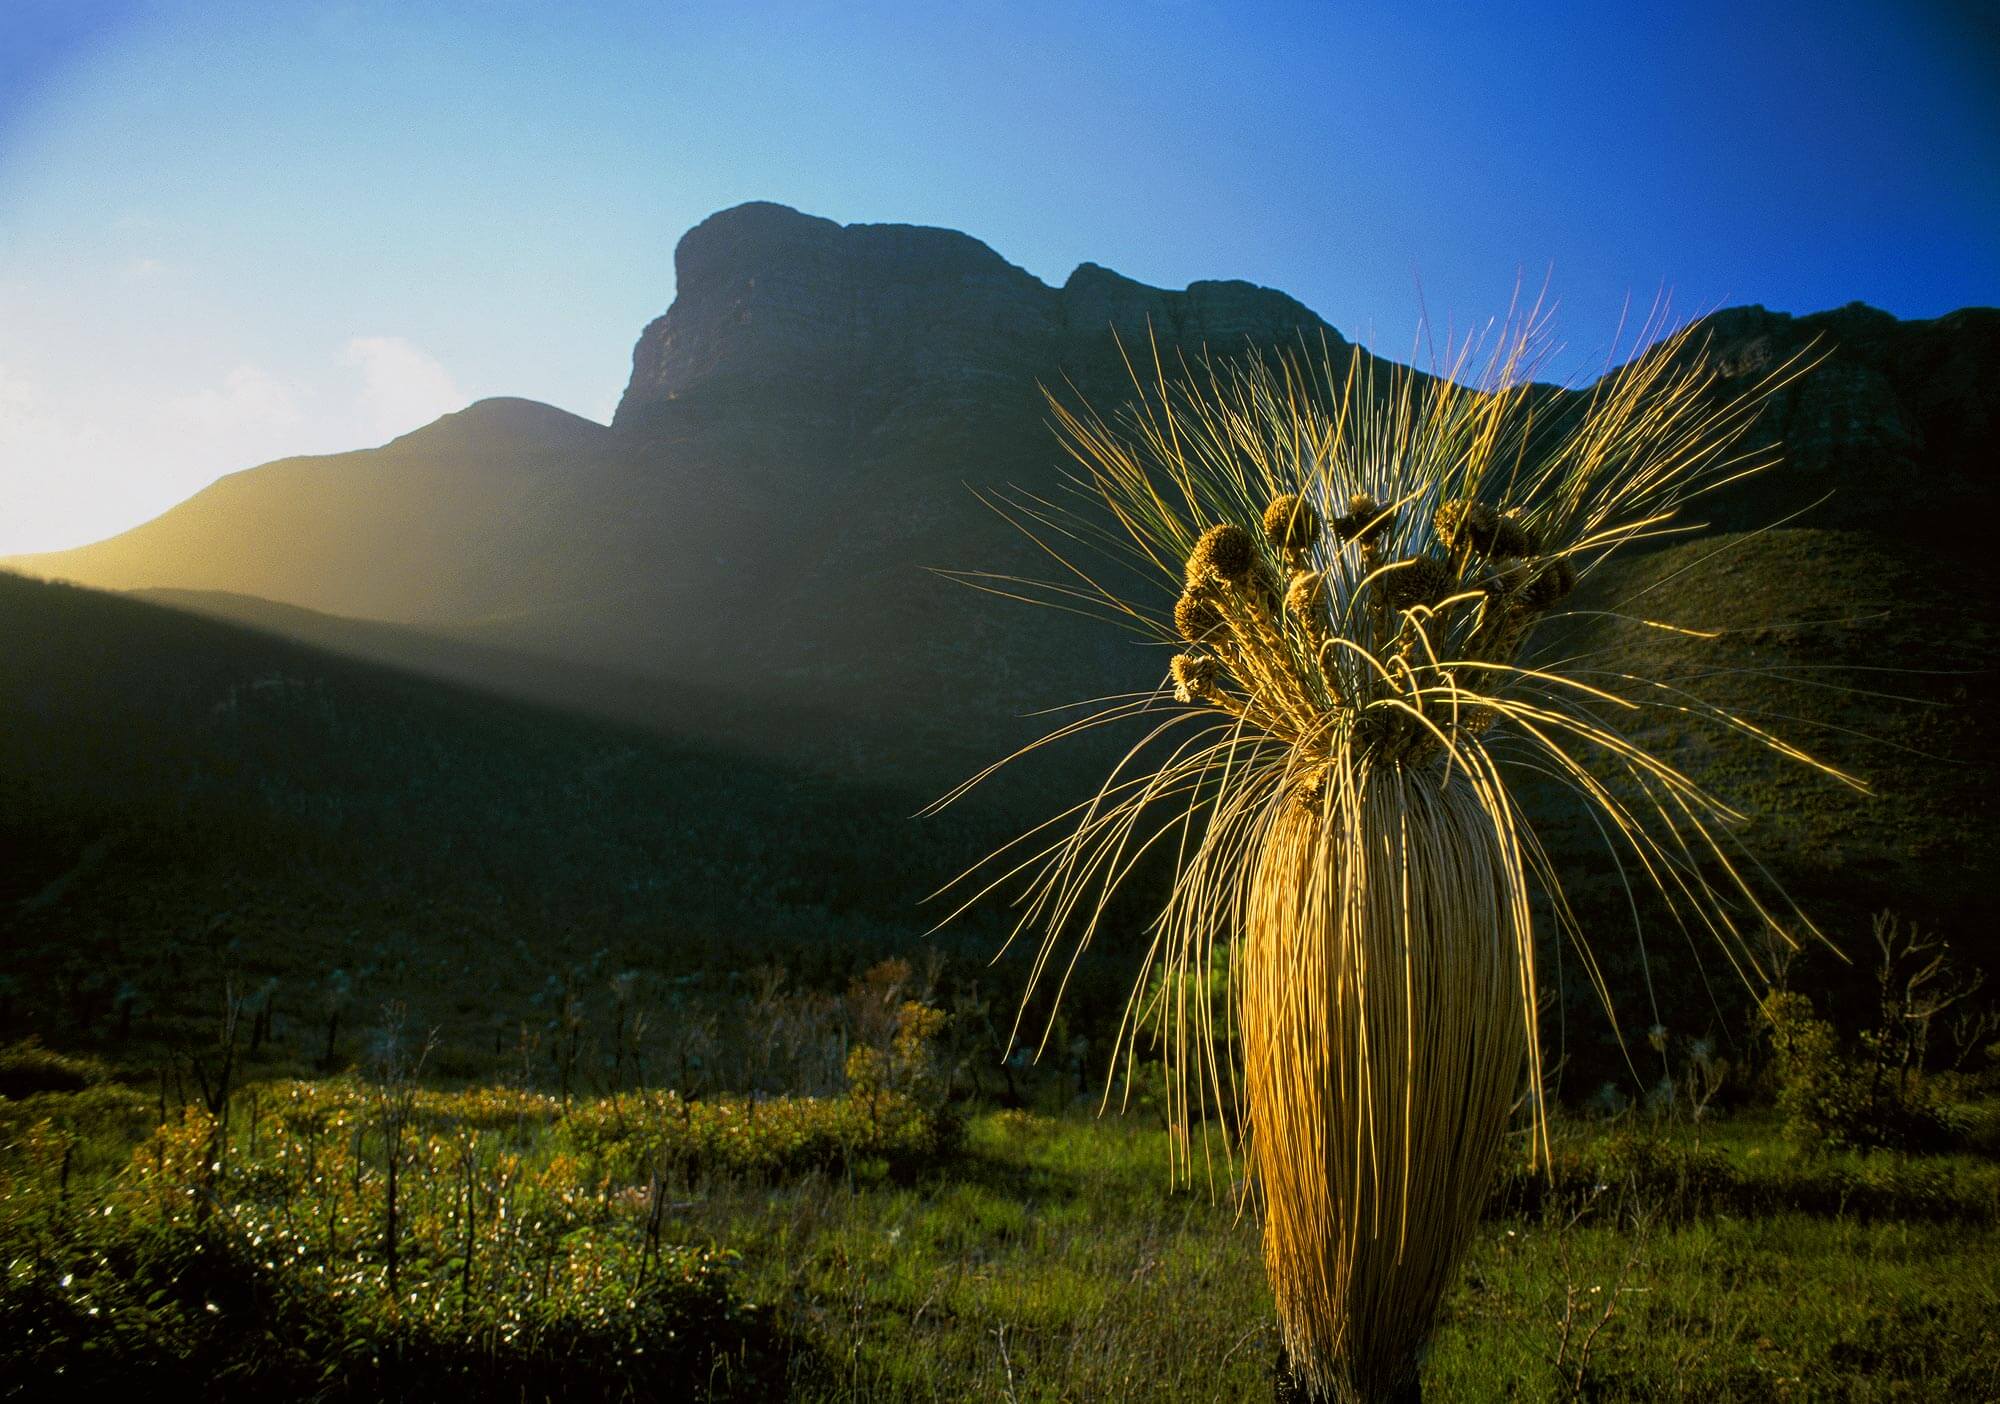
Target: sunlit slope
447	520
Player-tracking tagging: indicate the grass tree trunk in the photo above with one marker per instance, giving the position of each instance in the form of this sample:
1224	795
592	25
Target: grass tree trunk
1383	1046
1291	1387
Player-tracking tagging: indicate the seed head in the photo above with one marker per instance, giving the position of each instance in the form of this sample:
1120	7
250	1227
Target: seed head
1224	551
1304	594
1550	585
1194	676
1365	521
1501	582
1416	580
1476	721
1513	537
1196	618
1291	523
1463	524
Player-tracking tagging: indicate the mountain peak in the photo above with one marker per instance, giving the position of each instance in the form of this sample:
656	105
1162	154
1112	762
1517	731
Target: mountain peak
513	417
764	292
751	237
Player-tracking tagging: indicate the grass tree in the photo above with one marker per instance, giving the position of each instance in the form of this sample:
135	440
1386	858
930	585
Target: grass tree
1355	565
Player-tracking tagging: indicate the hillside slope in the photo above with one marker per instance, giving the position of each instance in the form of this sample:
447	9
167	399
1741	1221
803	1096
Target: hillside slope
1873	656
188	807
436	524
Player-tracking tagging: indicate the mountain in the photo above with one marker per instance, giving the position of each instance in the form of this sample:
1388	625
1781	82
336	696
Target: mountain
1891	433
432	525
745	548
792	454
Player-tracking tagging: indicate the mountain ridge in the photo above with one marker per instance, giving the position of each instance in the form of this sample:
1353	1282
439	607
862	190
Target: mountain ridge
794	446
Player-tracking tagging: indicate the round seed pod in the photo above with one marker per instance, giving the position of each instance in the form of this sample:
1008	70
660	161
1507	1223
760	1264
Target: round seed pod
1364	520
1304	594
1550	585
1415	580
1196	618
1225	551
1463	524
1513	537
1194	676
1291	523
1476	721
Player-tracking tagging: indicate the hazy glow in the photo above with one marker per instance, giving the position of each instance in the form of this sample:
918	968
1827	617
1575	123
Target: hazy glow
231	231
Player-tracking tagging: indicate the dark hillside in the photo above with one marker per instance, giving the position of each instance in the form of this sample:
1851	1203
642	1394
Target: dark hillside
1879	660
185	803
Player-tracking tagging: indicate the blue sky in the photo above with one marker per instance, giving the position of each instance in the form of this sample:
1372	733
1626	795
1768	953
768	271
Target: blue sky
234	231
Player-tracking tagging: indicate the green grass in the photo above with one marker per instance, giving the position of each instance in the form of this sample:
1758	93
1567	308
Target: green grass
1047	1258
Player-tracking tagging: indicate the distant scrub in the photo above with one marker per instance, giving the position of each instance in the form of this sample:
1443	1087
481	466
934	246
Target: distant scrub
1881	1086
27	1068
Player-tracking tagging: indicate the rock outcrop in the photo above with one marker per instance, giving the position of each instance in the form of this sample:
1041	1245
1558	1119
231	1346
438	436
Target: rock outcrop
1893	430
875	313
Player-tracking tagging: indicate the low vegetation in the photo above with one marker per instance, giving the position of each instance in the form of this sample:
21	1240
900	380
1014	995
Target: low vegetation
887	1235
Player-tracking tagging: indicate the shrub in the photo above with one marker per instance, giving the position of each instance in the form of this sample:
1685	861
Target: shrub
344	1241
217	1309
1828	1102
27	1068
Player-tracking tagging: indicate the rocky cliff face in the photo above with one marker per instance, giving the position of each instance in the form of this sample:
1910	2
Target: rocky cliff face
875	313
813	411
1894	428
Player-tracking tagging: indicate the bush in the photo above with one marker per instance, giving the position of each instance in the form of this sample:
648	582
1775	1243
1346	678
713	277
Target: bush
27	1068
1828	1102
345	1241
895	1112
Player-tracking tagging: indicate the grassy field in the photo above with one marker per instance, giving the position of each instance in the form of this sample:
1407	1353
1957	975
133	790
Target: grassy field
874	1246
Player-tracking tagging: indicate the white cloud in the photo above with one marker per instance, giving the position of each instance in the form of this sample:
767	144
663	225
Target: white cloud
87	450
81	462
402	386
249	402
